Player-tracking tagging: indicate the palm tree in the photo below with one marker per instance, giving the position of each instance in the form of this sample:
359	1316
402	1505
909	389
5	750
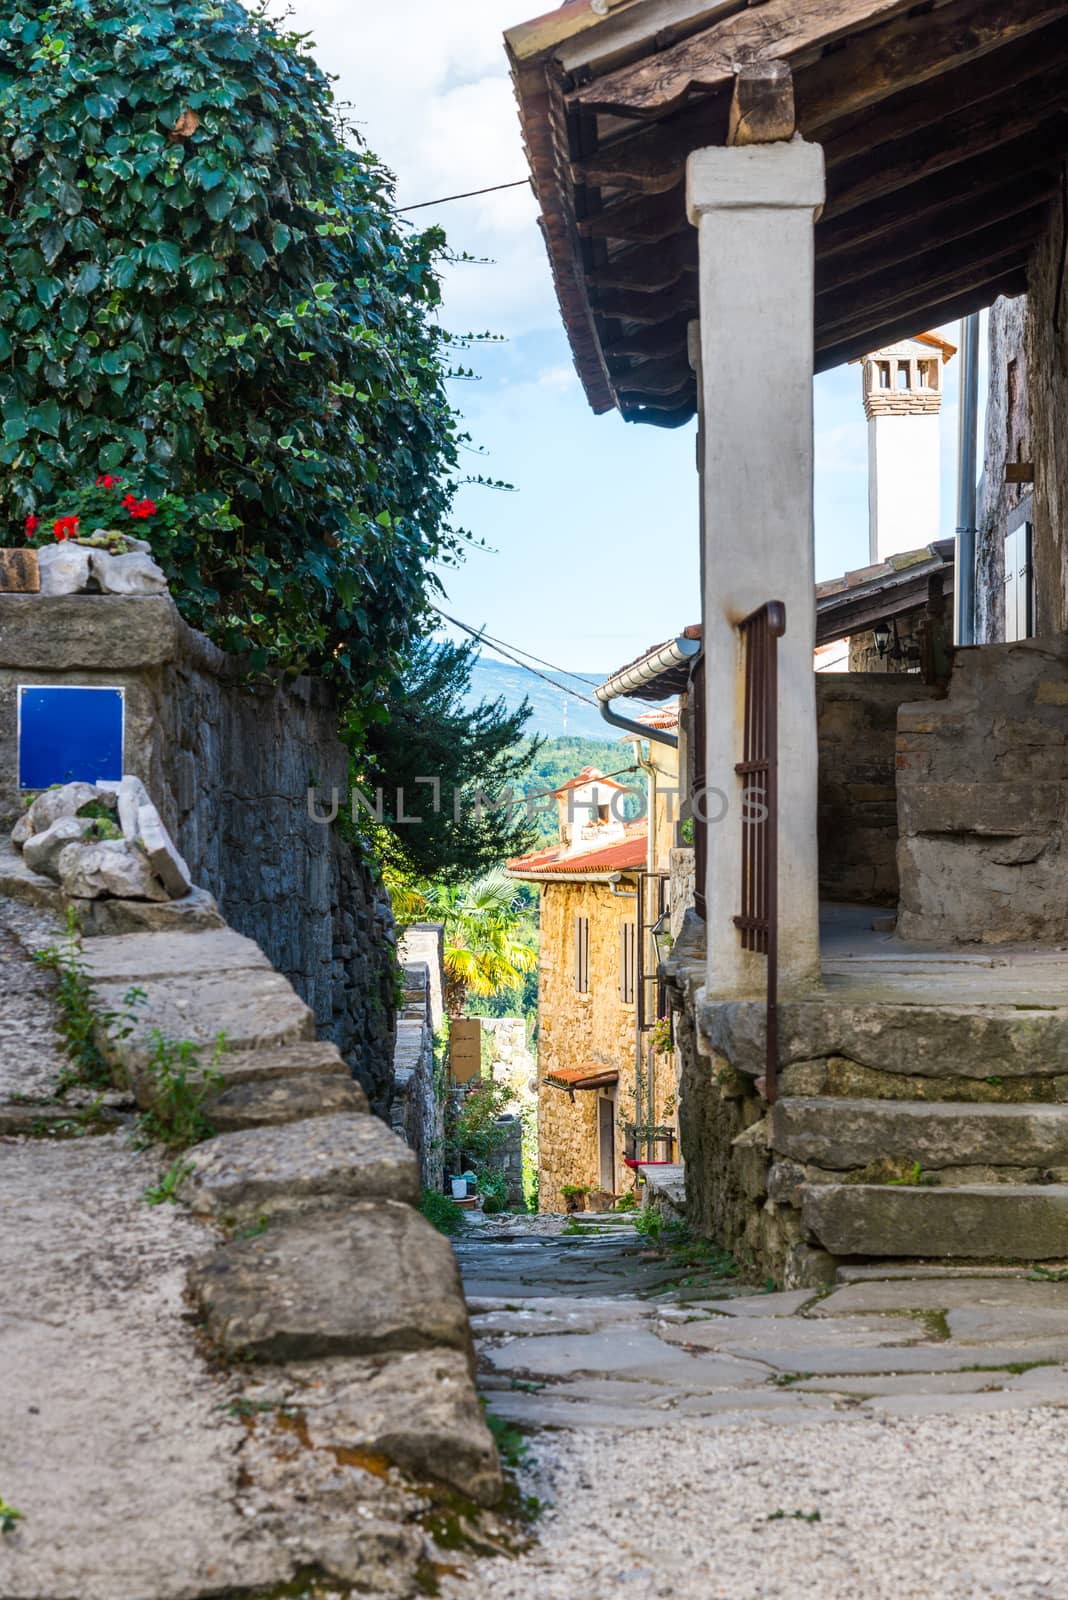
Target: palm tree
485	947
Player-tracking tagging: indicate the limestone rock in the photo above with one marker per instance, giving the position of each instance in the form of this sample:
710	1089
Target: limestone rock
22	831
132	574
373	1279
418	1410
163	858
266	1171
64	568
131	795
844	1134
42	851
66	801
89	871
272	1102
195	913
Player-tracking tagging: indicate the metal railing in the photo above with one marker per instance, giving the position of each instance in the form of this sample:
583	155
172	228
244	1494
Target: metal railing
758	921
648	1145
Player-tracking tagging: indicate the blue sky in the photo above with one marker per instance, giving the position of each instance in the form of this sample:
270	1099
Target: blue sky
596	551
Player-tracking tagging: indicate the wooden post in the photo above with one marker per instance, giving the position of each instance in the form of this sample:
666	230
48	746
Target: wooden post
762	105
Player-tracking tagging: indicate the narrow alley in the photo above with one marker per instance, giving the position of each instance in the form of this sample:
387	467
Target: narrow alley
686	1437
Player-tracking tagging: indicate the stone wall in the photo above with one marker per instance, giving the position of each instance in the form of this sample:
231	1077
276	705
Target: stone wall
1046	345
418	1108
857	721
229	767
1008	439
982	779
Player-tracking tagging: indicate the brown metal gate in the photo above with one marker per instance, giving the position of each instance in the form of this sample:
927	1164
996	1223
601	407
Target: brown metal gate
758	922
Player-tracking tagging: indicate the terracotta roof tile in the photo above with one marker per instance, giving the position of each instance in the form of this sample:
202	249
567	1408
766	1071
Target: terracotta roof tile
626	854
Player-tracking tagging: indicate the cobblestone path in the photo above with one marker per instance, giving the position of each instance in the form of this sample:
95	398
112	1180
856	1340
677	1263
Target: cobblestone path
690	1439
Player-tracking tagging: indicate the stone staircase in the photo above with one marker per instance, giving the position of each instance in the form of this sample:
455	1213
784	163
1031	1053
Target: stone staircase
933	1129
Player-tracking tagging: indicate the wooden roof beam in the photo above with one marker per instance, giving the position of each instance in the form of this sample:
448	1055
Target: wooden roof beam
957	139
649	267
882	61
645	221
846	344
775	30
645	309
762	104
936	274
1033	155
970	215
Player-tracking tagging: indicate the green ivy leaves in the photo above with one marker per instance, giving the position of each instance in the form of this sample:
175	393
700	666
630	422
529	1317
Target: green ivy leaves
203	287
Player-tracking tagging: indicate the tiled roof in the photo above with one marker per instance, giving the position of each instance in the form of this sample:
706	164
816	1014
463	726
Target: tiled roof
590	1075
625	855
588	775
664	717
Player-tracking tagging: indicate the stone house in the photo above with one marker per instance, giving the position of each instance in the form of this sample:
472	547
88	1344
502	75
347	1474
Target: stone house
734	196
602	1090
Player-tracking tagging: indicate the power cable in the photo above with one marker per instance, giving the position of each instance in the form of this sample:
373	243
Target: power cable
469	194
480	635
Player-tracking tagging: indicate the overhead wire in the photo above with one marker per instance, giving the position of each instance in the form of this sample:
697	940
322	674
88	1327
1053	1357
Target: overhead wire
469	194
506	650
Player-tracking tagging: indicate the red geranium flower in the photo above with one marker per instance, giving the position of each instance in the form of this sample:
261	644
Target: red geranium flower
142	508
32	525
107	481
67	527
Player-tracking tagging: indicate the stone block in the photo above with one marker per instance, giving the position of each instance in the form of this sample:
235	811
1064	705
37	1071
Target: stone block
134	574
316	1058
135	958
300	1165
1003	1222
271	1102
163	858
844	1135
64	569
42	851
19	572
374	1279
131	795
90	871
981	807
66	801
419	1410
59	633
195	912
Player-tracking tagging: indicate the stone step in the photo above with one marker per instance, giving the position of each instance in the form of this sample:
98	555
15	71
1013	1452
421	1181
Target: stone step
844	1135
270	1102
963	1037
1024	1222
324	1160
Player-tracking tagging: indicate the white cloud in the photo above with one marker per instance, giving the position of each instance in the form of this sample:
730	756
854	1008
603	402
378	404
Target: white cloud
429	86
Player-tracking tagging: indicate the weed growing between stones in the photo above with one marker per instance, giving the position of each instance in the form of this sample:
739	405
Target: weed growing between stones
81	1021
166	1191
510	1441
181	1087
9	1517
1041	1274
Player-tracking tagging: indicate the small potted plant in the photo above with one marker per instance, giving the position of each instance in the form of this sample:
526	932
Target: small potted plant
575	1196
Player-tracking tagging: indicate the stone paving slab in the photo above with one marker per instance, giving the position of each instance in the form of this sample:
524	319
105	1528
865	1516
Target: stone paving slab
374	1279
268	1171
738	1335
942	1294
622	1352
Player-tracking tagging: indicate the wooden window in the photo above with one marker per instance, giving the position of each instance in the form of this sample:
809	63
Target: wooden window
628	963
582	954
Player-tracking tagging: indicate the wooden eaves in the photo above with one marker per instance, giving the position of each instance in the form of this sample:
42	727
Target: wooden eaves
944	126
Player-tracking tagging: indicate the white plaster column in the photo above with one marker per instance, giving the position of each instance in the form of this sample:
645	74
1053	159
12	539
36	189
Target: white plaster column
755	207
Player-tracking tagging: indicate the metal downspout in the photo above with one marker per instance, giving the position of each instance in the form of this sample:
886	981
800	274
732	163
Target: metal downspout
966	479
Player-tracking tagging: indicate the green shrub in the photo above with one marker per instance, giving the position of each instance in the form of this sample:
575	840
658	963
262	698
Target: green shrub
493	1188
441	1211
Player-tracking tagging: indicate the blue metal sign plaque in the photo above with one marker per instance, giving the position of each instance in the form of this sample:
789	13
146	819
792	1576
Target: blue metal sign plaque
69	733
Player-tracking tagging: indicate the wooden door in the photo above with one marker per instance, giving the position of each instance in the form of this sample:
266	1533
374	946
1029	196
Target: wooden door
606	1128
